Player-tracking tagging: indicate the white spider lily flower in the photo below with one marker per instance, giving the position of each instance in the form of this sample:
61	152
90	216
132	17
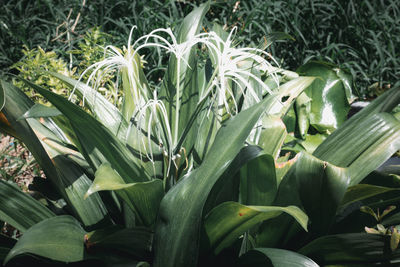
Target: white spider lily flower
115	60
229	62
152	118
180	51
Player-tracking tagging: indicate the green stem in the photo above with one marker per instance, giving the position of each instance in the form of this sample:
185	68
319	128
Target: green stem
178	102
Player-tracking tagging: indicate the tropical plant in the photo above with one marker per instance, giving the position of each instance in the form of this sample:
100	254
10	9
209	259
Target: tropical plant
190	173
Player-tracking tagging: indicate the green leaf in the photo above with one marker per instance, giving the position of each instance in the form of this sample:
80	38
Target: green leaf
320	186
133	79
384	103
59	238
356	248
19	209
186	78
99	144
75	183
327	101
313	185
363	191
2	98
40	111
68	178
226	222
303	109
178	224
312	141
17	103
227	187
102	109
143	198
287	93
282	166
272	135
277	258
258	184
363	145
135	242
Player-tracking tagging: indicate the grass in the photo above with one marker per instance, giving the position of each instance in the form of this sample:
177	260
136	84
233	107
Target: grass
362	36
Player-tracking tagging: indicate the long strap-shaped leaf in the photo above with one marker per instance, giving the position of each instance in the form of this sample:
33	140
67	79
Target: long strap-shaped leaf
67	177
19	209
181	208
362	146
185	79
98	143
102	109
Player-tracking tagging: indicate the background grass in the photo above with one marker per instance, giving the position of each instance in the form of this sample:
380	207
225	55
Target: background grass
362	36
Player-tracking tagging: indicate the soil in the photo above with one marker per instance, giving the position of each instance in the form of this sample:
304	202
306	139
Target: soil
17	163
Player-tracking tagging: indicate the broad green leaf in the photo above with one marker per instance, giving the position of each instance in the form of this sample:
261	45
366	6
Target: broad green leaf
287	93
282	166
178	224
226	222
272	135
313	185
363	191
362	146
355	248
258	183
325	103
19	209
99	144
59	238
135	242
276	257
353	126
143	198
227	187
312	141
320	187
290	120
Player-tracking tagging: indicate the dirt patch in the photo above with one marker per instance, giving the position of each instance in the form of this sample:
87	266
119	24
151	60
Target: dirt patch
16	163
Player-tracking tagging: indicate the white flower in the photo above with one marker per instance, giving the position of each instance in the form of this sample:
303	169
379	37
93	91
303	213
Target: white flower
229	60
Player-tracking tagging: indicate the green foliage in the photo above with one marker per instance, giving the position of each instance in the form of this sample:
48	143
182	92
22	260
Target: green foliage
32	66
190	171
360	36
